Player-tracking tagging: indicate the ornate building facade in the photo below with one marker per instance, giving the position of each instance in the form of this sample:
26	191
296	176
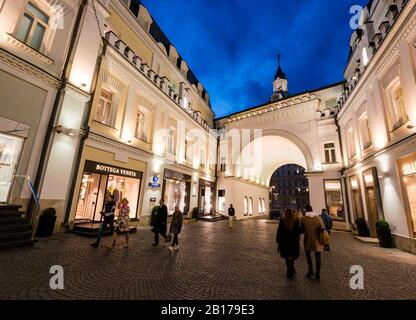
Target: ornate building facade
377	114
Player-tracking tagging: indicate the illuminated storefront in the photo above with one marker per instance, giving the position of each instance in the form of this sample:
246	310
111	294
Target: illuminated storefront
100	180
10	149
334	200
206	197
373	199
176	190
407	168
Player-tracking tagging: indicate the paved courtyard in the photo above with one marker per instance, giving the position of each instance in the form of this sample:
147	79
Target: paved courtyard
212	263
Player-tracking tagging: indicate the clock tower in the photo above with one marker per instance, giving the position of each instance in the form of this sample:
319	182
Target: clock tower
279	83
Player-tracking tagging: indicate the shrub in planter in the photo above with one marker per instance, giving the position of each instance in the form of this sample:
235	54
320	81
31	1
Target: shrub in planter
195	213
46	223
362	228
384	234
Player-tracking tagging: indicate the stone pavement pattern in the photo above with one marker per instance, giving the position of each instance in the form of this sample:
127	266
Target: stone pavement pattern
212	263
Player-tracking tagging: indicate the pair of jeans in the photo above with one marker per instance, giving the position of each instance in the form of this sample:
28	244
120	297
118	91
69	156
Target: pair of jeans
231	221
175	241
108	221
310	264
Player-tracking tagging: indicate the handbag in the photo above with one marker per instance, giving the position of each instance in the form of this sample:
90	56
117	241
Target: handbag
324	238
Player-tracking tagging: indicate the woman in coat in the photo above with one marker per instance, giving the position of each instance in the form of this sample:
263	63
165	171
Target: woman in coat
175	228
288	238
313	226
123	223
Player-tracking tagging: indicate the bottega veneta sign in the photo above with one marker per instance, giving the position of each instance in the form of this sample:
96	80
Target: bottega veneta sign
95	167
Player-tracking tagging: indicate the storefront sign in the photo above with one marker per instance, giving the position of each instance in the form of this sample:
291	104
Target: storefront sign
155	182
152	199
95	167
409	169
333	186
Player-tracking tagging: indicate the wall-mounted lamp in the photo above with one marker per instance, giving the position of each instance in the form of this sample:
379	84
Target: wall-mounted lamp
68	131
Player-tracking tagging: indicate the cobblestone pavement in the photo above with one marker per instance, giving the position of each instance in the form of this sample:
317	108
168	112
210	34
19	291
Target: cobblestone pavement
212	263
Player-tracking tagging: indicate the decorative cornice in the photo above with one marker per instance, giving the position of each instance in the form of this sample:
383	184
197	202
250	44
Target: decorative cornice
29	69
78	93
24	47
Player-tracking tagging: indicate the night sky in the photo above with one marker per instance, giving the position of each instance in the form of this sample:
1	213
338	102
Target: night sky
232	45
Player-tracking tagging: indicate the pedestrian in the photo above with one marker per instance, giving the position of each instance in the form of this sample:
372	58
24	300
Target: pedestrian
175	228
123	224
327	219
312	226
288	239
231	216
161	223
108	219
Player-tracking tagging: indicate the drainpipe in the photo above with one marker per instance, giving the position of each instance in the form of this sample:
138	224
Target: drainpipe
59	96
346	205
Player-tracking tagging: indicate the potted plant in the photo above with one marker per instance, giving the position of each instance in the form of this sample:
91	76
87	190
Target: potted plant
46	223
195	213
384	234
362	228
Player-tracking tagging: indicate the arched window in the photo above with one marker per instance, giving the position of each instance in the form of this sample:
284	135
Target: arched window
250	207
245	206
260	206
263	204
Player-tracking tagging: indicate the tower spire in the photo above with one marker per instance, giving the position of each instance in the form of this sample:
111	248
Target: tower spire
279	73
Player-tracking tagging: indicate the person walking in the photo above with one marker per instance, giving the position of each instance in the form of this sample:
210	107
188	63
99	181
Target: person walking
288	239
161	223
231	216
327	219
175	228
312	226
123	223
108	219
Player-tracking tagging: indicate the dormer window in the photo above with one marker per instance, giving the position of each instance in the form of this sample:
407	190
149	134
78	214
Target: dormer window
33	27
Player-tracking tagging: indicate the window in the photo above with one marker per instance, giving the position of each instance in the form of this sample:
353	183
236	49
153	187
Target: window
223	166
365	132
245	206
365	57
330	156
171	141
141	127
350	143
250	207
103	114
399	110
33	27
188	150
260	207
263	205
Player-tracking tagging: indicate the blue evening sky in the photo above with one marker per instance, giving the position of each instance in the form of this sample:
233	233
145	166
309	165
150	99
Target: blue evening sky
231	45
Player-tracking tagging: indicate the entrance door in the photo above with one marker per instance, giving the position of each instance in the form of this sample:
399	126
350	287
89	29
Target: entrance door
88	196
373	212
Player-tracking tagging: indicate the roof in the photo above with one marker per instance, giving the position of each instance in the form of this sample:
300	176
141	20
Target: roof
159	36
290	97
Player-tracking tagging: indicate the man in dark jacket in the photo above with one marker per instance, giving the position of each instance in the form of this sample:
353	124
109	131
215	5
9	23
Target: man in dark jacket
108	219
231	215
161	223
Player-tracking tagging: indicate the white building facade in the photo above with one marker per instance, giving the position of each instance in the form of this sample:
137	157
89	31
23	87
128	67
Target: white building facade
377	114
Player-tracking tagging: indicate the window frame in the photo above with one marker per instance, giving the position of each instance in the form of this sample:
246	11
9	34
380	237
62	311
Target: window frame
365	131
395	121
106	100
332	155
35	22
